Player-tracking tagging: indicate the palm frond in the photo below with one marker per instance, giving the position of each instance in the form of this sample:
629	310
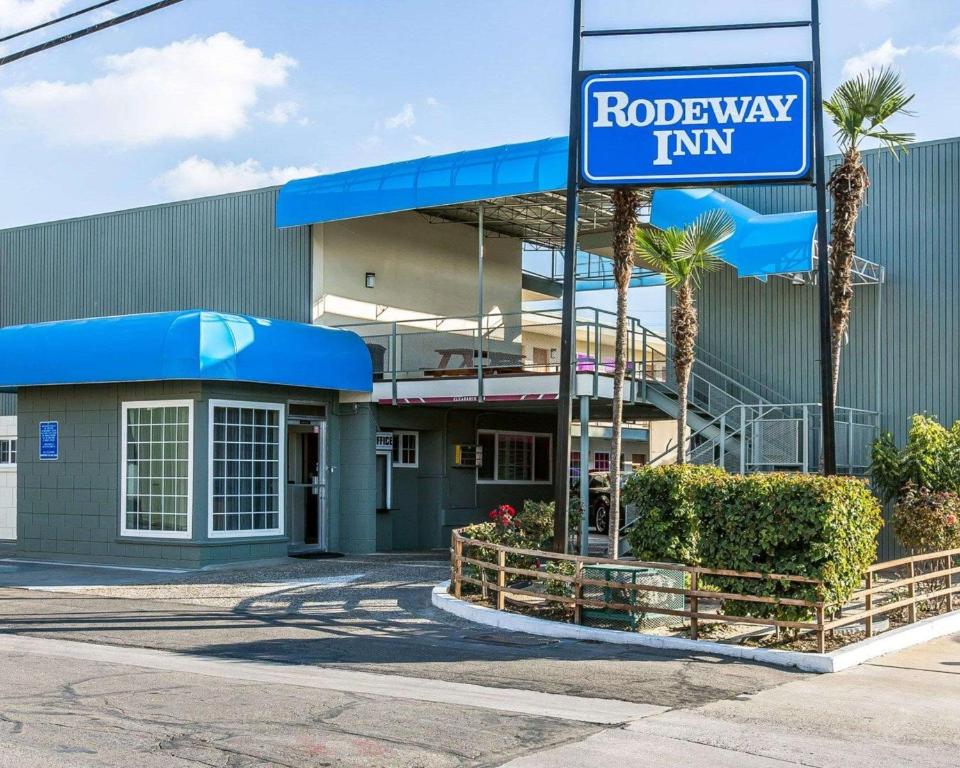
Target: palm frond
860	107
659	247
683	255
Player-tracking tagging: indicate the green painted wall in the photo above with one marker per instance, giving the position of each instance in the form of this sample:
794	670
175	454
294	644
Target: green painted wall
910	225
432	499
221	253
70	507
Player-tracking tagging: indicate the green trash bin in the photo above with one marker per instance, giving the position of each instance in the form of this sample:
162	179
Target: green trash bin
641	618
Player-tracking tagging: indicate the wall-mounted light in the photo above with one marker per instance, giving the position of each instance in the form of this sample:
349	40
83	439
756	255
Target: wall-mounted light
370	281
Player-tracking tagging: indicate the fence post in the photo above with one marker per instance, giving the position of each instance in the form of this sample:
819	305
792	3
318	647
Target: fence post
694	606
743	439
949	564
868	605
821	634
501	579
912	592
457	563
806	439
578	593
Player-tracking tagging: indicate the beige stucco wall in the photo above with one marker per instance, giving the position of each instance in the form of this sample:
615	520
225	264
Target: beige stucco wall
663	435
422	269
8	484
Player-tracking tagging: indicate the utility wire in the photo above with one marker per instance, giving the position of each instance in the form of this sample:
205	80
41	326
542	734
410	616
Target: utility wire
87	31
50	23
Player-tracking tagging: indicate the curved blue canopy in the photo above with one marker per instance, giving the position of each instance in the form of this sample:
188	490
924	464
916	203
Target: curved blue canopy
761	245
192	345
462	177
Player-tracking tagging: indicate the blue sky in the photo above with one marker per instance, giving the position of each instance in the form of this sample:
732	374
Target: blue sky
218	95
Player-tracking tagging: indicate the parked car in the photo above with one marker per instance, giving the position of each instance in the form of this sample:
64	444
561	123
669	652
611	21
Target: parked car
599	498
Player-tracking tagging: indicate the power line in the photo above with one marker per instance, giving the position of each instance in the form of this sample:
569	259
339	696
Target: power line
87	31
50	23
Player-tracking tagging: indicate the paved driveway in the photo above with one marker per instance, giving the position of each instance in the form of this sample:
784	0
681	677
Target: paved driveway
370	614
362	671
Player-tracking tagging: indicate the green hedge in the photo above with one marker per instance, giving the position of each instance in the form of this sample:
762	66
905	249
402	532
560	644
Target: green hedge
802	525
665	497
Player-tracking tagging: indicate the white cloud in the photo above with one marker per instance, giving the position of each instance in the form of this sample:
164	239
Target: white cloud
883	55
405	118
432	102
951	47
20	14
197	177
418	139
282	113
196	88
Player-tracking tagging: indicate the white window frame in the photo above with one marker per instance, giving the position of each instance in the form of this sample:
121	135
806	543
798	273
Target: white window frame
496	455
281	470
398	442
125	407
11	451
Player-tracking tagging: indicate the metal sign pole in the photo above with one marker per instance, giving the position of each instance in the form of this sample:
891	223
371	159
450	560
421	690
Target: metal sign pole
568	321
829	448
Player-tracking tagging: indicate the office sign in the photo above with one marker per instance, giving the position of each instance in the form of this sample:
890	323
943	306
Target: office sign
697	126
49	441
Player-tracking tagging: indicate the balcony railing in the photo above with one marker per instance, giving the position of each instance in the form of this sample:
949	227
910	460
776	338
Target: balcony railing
508	344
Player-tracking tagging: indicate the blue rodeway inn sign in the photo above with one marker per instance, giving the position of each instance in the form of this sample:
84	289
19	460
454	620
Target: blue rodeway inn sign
696	126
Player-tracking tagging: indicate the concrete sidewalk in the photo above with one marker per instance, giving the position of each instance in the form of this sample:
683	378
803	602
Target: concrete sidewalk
899	711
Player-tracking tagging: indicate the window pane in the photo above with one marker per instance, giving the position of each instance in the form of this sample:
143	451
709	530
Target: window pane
542	459
485	441
155	494
245	485
515	458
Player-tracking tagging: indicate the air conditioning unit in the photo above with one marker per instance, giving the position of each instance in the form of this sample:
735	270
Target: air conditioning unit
467	455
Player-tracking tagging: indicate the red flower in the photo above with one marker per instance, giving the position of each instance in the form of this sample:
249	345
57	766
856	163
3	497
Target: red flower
951	519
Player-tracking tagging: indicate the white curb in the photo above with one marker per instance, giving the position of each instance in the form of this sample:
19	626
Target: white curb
852	655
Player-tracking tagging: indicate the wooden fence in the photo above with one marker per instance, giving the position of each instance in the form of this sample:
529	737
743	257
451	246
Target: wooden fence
863	607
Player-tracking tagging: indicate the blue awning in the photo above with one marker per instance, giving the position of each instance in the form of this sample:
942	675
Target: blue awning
195	345
462	177
761	245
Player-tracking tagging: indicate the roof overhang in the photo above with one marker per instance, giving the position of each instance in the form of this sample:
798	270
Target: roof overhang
195	345
522	191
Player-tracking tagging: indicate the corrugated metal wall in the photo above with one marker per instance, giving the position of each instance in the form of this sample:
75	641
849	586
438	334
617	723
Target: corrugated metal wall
911	225
222	253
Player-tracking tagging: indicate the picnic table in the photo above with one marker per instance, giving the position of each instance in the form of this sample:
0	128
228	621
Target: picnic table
494	362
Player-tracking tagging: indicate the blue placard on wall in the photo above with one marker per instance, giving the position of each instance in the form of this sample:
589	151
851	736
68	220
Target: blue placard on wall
697	126
49	440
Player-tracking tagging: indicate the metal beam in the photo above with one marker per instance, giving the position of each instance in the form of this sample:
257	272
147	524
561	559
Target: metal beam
694	29
829	445
561	466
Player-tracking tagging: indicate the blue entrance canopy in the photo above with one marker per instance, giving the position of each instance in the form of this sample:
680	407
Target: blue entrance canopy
462	177
195	345
761	245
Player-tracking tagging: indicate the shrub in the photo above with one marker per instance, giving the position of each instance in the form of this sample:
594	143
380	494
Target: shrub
530	528
667	520
927	521
823	528
930	459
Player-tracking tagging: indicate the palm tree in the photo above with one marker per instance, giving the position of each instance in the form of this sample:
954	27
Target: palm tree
859	109
683	256
625	204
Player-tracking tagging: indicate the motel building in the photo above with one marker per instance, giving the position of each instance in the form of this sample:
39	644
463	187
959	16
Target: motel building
361	361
